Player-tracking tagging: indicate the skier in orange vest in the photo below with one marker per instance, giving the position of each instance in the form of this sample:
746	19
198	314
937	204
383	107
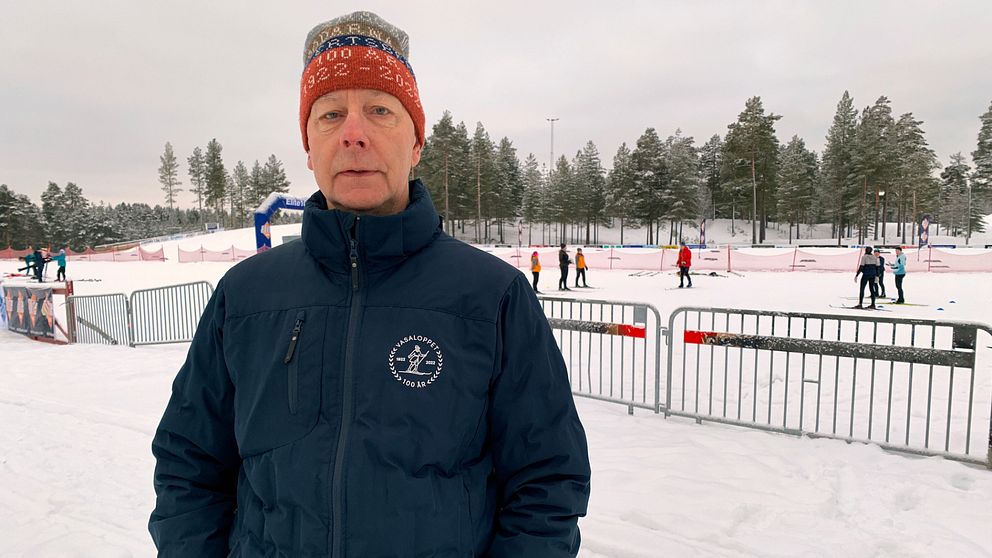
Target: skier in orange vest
580	267
535	269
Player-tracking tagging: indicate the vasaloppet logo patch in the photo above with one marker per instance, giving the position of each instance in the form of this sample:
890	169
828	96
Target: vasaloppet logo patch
416	361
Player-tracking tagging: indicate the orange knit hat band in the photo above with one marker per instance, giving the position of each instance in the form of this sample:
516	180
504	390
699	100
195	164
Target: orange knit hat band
358	61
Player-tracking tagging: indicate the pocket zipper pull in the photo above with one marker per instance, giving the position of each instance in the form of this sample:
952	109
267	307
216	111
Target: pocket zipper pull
292	341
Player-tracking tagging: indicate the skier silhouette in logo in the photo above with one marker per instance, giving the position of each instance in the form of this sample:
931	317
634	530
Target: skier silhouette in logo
413	361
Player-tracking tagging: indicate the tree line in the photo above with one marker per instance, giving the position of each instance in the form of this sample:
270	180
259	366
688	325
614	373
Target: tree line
875	168
66	218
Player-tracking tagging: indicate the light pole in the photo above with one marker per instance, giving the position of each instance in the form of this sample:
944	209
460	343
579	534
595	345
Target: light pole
551	163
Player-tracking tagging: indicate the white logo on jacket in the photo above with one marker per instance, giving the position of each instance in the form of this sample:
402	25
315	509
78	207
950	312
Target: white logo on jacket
415	361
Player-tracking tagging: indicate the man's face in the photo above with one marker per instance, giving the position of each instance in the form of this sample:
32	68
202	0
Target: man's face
362	147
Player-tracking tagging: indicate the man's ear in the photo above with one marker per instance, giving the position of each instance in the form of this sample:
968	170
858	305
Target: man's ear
417	149
309	161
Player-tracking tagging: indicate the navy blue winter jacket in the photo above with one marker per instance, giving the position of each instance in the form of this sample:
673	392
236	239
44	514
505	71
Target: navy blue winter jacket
375	389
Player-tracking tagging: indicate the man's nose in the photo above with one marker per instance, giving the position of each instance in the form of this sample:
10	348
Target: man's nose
353	133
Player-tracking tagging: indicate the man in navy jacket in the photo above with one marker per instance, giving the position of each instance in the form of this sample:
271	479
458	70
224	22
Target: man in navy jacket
376	388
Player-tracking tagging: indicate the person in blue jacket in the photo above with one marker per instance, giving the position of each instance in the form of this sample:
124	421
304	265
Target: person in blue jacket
899	270
376	388
60	260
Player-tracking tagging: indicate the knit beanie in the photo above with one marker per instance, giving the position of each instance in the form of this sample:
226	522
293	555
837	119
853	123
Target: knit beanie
358	51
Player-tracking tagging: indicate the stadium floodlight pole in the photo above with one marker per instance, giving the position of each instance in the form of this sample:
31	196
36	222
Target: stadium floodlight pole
551	162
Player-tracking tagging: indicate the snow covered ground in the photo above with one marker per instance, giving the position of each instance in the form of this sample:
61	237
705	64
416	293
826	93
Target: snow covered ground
76	468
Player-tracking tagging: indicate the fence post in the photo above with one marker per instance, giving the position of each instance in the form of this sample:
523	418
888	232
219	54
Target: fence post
130	322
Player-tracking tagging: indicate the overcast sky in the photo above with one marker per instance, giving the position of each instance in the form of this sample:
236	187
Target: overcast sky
91	91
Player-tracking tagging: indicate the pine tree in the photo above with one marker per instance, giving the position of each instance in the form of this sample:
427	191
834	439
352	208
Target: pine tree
259	189
435	168
197	176
651	182
275	176
8	215
53	212
215	176
797	180
620	187
533	196
590	189
682	161
508	189
750	154
168	175
243	191
874	162
954	195
839	193
559	208
710	156
483	158
914	186
981	179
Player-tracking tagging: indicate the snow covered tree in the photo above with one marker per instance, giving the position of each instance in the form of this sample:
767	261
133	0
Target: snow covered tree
682	204
953	200
589	194
508	188
275	176
914	186
838	194
197	176
710	156
168	175
750	156
483	159
242	191
797	180
533	196
215	176
436	165
620	187
981	179
874	162
651	182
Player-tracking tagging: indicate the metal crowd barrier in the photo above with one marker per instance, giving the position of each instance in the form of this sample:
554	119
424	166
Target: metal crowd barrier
168	314
612	349
904	384
98	319
150	316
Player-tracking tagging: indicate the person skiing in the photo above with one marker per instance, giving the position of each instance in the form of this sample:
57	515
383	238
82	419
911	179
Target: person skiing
60	260
580	267
563	262
684	263
868	270
39	265
899	270
535	269
881	273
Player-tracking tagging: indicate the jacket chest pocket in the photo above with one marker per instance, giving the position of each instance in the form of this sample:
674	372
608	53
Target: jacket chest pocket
276	362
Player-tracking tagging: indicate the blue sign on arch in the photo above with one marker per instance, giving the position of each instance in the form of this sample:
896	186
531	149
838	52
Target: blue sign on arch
273	203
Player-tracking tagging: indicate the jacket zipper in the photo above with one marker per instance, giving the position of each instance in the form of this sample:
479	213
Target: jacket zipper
337	499
294	365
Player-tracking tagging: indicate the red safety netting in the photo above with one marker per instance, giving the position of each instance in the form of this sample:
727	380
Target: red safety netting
202	254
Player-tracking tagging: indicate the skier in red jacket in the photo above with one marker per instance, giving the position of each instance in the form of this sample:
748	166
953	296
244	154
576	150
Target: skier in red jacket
684	263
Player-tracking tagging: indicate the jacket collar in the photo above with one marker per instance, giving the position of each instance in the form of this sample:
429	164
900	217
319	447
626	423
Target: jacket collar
383	241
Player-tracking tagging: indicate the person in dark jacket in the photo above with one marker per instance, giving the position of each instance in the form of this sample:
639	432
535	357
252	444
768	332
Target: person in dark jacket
376	388
868	269
563	262
881	272
684	263
39	265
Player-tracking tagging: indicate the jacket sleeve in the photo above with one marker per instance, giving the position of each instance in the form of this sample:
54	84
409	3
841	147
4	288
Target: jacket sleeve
540	457
197	459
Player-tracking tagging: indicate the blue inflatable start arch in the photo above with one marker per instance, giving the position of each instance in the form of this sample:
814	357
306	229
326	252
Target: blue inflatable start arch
273	203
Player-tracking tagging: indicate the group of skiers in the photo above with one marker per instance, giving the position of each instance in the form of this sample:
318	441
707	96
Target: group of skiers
564	260
872	272
37	259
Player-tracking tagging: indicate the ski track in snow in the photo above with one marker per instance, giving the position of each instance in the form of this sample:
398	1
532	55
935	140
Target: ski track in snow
76	465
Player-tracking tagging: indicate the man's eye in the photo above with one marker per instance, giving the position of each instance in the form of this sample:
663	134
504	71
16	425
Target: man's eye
332	115
381	111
